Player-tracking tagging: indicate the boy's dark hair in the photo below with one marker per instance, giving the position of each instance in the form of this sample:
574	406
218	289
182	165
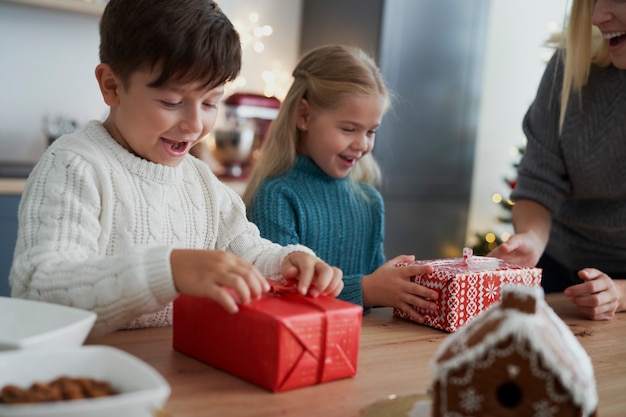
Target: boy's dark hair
188	40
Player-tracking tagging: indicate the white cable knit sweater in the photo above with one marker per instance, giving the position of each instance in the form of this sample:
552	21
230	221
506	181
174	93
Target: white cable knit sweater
97	225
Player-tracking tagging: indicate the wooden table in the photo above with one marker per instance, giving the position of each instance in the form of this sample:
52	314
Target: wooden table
394	359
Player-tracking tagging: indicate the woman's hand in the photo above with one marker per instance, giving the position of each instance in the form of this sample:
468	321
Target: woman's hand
522	249
599	297
532	223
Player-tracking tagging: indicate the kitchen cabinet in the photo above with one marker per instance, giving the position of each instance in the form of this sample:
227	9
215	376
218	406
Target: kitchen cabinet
92	7
8	235
431	55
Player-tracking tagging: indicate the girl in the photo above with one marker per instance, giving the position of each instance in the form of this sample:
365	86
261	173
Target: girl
314	183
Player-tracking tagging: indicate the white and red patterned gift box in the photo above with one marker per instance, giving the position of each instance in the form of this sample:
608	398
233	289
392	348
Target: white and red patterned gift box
467	286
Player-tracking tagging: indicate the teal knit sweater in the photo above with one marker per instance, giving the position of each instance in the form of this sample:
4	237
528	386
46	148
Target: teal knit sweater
341	221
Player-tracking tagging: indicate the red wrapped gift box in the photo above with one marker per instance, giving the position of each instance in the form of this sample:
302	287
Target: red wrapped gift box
280	342
468	286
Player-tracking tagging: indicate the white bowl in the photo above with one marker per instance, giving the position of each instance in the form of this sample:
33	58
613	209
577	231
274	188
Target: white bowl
28	324
140	388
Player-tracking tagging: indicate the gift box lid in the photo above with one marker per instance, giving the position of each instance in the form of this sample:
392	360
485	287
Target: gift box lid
468	265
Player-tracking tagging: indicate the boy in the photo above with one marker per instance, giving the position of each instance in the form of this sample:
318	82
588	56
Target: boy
118	218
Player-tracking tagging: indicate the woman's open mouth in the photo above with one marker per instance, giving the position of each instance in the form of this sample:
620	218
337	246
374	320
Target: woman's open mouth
615	38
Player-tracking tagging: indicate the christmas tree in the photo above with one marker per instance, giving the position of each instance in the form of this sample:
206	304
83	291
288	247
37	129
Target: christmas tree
488	241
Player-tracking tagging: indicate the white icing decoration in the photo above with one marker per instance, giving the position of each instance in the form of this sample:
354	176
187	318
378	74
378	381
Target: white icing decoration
544	409
471	400
513	371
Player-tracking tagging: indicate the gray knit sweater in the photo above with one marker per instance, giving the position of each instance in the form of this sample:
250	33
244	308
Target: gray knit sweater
581	175
97	225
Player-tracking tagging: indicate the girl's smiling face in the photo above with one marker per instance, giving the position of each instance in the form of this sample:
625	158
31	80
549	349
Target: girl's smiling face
336	139
157	124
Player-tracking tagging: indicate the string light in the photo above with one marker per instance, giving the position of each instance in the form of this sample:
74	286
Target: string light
253	34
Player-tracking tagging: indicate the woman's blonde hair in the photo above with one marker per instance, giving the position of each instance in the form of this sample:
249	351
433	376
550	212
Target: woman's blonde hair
583	46
324	76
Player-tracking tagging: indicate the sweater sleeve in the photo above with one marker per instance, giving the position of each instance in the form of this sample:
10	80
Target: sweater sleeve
57	257
353	284
352	289
542	173
275	212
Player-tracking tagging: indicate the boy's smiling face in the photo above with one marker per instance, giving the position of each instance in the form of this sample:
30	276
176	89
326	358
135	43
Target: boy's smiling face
157	124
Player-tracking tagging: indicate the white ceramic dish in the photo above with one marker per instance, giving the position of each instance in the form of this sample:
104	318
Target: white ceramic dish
27	324
141	390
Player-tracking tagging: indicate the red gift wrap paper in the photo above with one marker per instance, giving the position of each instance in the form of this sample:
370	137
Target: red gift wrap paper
467	286
281	342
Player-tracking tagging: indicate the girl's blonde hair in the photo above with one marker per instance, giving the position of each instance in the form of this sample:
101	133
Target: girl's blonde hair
324	76
583	46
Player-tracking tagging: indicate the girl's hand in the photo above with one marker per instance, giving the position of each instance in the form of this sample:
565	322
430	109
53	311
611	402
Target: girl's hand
599	297
314	276
218	275
390	286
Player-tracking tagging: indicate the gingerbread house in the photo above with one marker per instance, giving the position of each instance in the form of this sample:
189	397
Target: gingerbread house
517	358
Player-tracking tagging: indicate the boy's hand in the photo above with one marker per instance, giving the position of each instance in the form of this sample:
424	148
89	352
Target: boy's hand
314	276
212	273
390	286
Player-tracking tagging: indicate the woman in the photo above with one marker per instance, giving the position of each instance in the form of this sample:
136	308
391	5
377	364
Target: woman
570	211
